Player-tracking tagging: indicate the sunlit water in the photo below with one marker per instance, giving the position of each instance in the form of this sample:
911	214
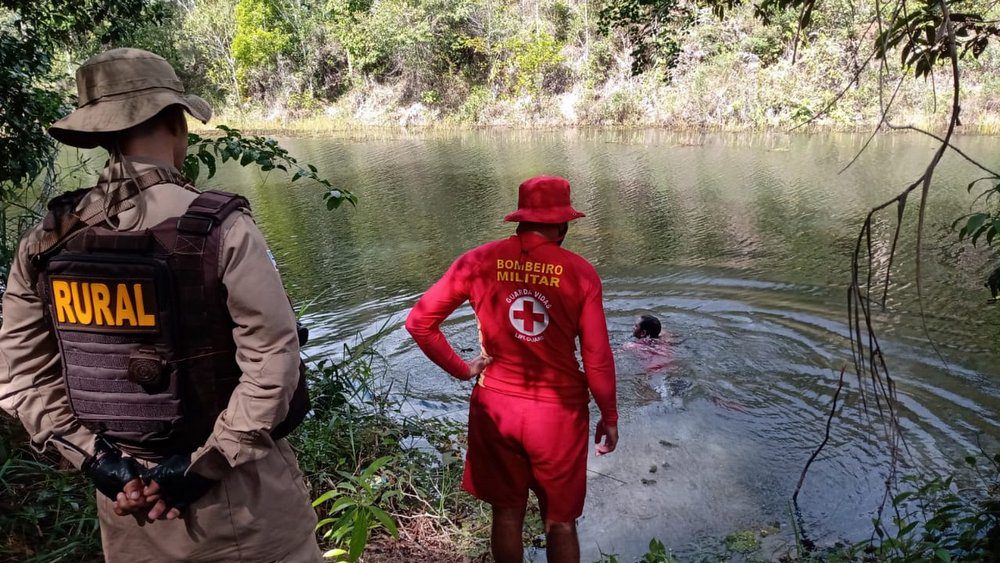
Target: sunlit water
740	244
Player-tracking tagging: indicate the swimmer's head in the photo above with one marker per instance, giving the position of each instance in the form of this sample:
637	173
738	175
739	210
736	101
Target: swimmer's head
647	326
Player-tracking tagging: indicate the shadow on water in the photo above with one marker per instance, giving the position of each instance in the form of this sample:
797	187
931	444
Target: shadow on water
739	243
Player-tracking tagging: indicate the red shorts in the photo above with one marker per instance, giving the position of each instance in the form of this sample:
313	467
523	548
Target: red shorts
516	444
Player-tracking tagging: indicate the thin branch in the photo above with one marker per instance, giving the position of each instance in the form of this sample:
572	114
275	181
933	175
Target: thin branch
884	119
826	436
836	99
901	209
968	158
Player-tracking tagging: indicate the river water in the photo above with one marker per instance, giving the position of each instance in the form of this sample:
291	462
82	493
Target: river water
740	244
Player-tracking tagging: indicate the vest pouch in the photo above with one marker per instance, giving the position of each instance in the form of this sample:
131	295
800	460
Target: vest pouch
113	315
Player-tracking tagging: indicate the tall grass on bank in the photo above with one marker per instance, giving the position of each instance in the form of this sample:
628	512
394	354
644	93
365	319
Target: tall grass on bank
47	510
361	449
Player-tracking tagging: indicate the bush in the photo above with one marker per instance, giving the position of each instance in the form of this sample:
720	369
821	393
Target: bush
936	520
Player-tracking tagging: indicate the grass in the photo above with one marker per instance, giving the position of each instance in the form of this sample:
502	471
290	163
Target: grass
47	511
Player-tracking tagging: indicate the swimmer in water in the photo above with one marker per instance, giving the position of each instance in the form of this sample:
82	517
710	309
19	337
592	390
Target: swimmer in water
654	351
647	327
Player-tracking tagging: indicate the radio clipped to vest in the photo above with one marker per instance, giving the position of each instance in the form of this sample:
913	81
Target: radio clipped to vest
146	339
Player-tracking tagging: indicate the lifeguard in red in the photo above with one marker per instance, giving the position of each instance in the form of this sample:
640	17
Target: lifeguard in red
528	419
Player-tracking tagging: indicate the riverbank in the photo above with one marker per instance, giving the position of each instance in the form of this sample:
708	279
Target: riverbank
721	91
517	115
319	127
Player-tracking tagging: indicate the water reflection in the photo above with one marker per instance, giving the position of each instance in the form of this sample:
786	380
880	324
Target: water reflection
739	243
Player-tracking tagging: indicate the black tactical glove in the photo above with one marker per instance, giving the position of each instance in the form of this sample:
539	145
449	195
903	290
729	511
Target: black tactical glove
177	489
109	470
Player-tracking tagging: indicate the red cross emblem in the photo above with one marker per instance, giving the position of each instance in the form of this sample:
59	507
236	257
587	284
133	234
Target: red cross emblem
528	315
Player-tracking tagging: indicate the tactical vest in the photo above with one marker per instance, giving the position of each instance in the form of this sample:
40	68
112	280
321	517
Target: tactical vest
144	332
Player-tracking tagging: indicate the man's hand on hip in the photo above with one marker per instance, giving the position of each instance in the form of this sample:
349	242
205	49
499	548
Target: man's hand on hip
609	434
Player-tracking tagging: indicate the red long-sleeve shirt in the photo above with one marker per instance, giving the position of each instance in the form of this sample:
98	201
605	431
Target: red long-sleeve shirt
532	300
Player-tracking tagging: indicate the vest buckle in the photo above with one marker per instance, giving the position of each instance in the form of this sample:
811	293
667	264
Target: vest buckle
194	225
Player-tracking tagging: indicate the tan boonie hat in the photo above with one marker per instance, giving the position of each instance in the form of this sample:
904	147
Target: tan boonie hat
121	88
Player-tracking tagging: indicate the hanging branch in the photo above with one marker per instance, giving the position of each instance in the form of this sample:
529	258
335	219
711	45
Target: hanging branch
826	437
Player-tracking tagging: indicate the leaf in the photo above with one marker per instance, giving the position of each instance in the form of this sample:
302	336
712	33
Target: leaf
386	521
323	498
246	159
943	555
993	232
975	222
344	524
359	536
342	504
923	68
973	183
209	160
191	168
375	466
325	522
334	553
979	233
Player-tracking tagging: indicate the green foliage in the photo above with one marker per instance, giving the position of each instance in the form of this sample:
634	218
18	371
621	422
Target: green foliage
33	35
742	542
259	151
921	38
935	520
46	514
260	38
916	32
534	55
373	461
205	46
658	553
652	27
354	508
985	222
372	34
474	106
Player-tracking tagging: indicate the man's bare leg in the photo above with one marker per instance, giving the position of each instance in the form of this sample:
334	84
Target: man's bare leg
562	545
505	541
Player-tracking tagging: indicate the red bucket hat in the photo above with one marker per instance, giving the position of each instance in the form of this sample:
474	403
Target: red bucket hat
544	199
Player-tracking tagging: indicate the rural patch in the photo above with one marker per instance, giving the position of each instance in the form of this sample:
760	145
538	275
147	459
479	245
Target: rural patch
104	305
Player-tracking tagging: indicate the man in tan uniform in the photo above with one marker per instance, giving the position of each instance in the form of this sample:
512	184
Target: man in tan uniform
253	503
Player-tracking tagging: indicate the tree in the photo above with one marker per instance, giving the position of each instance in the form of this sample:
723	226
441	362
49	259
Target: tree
33	37
208	30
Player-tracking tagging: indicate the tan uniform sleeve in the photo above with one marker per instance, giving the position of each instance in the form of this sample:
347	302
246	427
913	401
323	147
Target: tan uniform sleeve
267	351
31	385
